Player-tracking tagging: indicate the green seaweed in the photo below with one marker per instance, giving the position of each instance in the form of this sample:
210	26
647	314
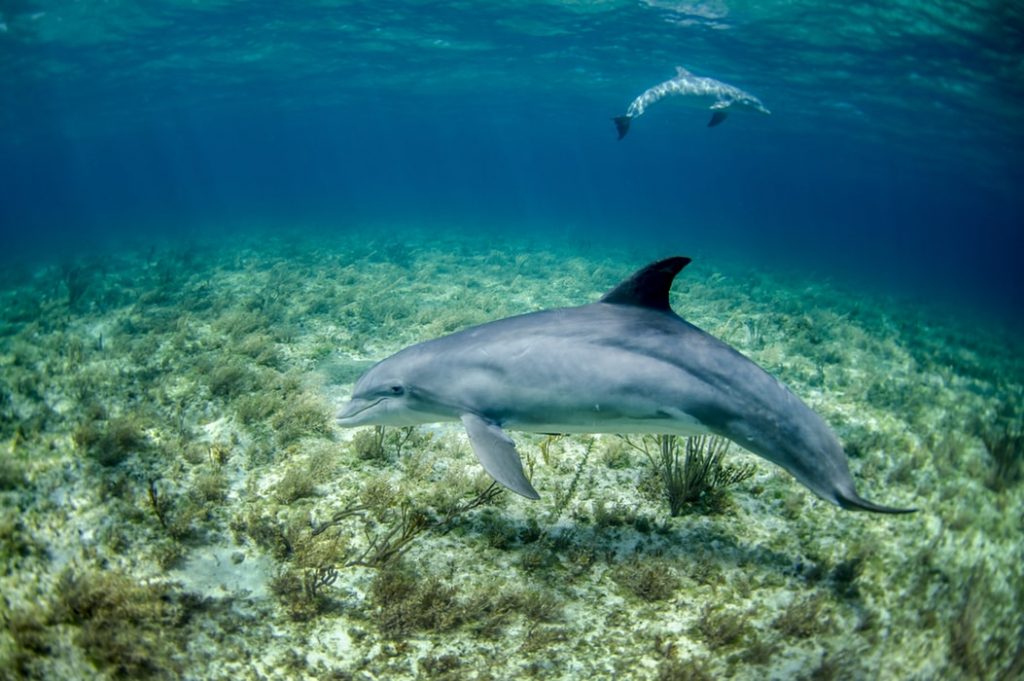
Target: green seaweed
845	575
684	670
211	485
719	628
693	475
258	407
445	666
112	443
303	591
299	482
382	445
18	543
304	417
999	655
231	381
836	666
406	602
803	618
199	390
1005	445
648	580
177	514
128	628
31	642
12	475
77	278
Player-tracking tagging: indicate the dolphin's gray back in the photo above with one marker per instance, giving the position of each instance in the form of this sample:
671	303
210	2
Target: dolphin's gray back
589	356
706	90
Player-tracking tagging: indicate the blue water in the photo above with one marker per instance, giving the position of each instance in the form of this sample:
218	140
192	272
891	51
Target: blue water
893	156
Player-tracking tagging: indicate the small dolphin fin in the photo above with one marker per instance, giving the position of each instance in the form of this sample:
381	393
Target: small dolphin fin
648	287
622	125
854	502
717	117
680	72
497	454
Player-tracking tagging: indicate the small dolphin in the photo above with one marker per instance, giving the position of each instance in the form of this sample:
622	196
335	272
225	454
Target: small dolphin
625	364
724	98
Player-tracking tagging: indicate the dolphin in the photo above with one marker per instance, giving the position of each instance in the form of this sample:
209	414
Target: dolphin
624	364
723	98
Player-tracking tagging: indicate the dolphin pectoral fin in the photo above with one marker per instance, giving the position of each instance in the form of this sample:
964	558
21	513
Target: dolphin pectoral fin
717	117
622	125
497	454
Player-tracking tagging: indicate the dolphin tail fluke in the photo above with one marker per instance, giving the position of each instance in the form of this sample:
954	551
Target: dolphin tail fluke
622	125
854	502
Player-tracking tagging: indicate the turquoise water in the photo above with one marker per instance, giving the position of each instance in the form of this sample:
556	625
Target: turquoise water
215	216
893	151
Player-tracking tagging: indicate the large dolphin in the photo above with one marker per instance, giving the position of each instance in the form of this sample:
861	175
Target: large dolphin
625	364
720	97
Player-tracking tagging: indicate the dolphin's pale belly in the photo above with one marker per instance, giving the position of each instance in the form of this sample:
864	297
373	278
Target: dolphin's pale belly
597	417
619	426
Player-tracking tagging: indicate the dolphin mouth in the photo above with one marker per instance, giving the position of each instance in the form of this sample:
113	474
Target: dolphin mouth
351	413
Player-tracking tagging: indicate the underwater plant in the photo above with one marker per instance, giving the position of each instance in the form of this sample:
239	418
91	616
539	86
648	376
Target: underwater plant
111	445
694	473
231	380
563	498
720	628
300	418
298	483
1005	444
407	600
381	444
176	514
390	525
76	280
12	475
125	627
648	580
369	444
804	618
302	587
222	472
683	670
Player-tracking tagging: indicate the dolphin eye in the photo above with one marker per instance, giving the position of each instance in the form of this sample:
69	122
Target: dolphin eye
396	390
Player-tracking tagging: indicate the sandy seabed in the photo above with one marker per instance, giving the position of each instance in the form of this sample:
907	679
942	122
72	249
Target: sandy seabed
178	503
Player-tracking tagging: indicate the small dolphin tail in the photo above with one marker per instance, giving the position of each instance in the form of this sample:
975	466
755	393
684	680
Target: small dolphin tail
854	502
622	125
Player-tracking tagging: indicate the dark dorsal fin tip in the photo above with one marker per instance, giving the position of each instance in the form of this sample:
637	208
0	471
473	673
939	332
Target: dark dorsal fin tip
648	287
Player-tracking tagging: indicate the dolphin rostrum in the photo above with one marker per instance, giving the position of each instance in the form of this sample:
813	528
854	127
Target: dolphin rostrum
625	364
723	98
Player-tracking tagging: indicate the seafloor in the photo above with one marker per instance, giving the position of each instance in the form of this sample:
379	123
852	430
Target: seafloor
177	502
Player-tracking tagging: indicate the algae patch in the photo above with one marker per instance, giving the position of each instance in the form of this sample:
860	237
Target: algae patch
175	501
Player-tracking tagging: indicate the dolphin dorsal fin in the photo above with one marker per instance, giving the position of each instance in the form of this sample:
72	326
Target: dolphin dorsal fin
680	72
648	287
